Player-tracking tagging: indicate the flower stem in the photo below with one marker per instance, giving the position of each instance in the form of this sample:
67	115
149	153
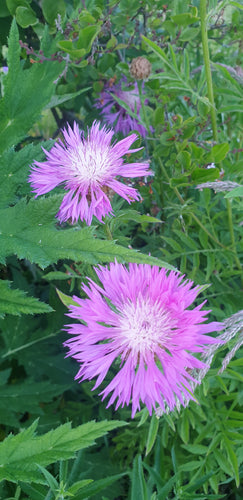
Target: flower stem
232	236
141	96
203	13
108	231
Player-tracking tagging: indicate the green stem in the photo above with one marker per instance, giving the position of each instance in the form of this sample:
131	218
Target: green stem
145	115
203	15
232	236
108	231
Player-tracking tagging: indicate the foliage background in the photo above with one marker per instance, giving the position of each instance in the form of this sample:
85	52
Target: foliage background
67	51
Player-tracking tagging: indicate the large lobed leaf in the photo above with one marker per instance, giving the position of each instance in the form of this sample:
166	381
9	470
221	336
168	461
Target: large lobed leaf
20	455
14	301
14	170
26	93
28	231
27	396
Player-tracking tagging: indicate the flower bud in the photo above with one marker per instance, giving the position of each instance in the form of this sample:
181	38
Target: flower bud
140	68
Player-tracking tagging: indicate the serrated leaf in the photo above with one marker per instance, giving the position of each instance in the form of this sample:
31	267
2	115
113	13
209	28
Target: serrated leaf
20	455
16	302
27	396
26	93
28	231
14	170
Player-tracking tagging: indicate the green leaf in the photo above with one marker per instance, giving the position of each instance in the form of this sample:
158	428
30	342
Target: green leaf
14	170
129	214
78	485
184	19
217	153
52	8
28	231
235	192
50	480
69	47
14	4
21	455
189	34
96	486
184	159
204	174
152	433
87	36
190	466
163	492
14	301
232	459
26	93
25	16
56	100
184	428
28	396
66	299
139	490
197	449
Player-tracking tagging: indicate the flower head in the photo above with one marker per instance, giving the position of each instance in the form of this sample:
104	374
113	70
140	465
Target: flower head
115	114
139	319
140	68
87	169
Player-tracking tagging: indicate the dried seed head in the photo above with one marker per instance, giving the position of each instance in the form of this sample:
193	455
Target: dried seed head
140	68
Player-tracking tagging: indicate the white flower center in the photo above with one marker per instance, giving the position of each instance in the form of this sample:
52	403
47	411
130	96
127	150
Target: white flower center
144	326
91	163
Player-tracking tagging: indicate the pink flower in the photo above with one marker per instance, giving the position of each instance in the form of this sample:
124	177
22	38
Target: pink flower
87	169
138	321
115	114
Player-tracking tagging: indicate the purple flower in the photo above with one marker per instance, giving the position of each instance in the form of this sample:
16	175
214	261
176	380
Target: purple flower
88	170
138	323
115	114
5	69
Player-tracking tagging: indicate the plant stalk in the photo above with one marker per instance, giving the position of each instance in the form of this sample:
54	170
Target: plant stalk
203	16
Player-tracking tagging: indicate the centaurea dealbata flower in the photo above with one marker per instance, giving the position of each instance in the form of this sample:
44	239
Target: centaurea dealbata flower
138	319
115	114
87	168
